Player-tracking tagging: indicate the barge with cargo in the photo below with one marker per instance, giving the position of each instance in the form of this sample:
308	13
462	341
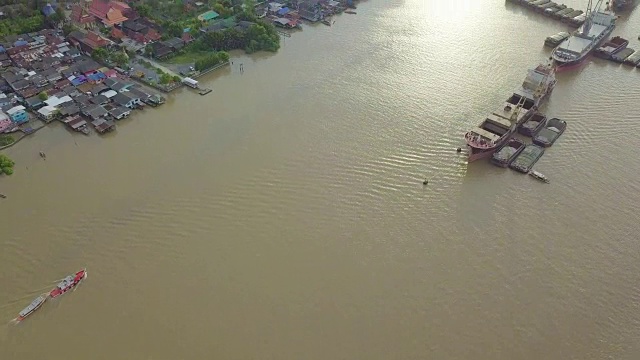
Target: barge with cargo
527	158
554	10
533	125
507	153
550	133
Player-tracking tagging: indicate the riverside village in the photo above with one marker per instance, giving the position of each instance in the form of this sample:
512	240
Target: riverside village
91	63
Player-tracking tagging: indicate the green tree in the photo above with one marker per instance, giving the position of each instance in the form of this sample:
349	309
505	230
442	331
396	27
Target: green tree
100	54
223	56
43	96
58	17
176	78
120	58
174	29
68	28
143	10
6	165
165	78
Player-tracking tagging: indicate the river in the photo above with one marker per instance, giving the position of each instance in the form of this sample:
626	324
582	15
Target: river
283	215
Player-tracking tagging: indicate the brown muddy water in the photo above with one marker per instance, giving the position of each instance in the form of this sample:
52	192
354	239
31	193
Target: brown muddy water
283	216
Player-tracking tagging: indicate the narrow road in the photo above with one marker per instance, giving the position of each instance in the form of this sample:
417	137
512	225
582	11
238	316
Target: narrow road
158	65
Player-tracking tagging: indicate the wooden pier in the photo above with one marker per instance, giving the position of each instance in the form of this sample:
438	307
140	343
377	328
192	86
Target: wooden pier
554	10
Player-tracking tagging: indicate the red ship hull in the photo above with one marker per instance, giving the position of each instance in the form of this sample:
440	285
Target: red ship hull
68	283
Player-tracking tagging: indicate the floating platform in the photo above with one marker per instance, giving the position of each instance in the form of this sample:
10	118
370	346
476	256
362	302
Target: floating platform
554	10
204	92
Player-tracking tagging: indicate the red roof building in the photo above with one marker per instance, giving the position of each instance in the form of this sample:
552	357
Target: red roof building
80	16
89	41
108	12
117	33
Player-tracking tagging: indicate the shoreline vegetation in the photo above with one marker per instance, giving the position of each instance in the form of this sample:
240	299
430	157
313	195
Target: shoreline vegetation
237	27
6	165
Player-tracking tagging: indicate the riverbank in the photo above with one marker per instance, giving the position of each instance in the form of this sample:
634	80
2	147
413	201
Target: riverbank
165	77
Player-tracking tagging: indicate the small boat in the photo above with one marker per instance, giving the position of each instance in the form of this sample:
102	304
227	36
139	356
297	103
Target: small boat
350	12
68	283
31	308
527	158
550	133
327	21
611	47
3	196
539	176
533	124
509	151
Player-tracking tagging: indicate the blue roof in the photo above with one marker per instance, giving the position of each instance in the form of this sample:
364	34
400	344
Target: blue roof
48	10
186	30
2	49
20	43
283	11
96	76
79	80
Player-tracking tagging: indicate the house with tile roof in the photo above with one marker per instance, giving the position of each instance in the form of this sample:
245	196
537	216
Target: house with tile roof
109	12
81	17
89	41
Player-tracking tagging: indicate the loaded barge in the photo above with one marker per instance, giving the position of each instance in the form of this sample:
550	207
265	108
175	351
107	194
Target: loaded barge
507	153
533	125
554	10
556	39
527	158
547	136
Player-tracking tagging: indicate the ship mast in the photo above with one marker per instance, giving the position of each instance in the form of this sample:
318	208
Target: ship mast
587	21
589	16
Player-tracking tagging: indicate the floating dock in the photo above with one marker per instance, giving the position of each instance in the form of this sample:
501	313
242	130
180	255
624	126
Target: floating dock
204	92
554	10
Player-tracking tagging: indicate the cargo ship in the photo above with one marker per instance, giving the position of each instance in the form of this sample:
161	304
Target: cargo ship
596	28
497	128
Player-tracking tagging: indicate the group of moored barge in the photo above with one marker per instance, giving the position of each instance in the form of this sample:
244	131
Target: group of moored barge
497	128
520	157
554	10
